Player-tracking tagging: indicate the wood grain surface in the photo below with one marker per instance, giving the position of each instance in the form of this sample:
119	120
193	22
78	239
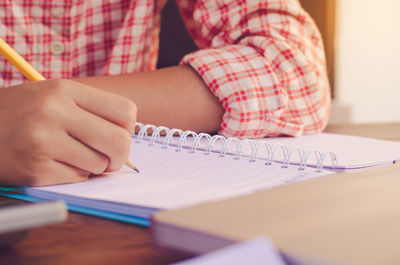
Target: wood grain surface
86	240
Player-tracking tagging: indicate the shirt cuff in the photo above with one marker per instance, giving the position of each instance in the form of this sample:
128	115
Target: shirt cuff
249	91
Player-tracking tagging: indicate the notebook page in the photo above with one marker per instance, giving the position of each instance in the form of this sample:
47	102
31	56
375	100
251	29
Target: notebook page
351	151
169	179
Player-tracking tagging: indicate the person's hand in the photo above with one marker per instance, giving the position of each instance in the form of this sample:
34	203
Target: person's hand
61	131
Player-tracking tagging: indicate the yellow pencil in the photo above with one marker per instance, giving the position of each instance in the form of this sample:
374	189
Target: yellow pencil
15	59
29	72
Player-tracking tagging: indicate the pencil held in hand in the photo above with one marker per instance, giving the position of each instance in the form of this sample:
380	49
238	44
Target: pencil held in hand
15	59
130	164
29	72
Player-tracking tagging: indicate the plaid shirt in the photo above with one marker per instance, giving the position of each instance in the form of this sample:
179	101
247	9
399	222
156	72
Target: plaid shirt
263	59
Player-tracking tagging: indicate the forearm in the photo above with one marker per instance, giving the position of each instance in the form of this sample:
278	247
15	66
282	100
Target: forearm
175	97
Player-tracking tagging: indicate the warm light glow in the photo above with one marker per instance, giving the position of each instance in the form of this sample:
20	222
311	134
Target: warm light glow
368	58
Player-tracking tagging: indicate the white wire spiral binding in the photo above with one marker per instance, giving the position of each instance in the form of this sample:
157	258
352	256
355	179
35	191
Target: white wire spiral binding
272	150
143	131
254	150
169	137
198	139
156	134
303	158
252	145
226	145
140	126
214	139
287	153
182	139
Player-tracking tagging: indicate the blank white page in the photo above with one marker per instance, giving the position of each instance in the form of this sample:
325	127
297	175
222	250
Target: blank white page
169	179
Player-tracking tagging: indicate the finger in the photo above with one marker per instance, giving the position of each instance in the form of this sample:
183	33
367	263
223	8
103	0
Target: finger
79	155
60	173
101	135
114	108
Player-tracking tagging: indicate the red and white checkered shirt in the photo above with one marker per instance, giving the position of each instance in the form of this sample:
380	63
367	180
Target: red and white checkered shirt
263	59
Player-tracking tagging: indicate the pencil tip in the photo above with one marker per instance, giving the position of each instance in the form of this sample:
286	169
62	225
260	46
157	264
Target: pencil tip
130	164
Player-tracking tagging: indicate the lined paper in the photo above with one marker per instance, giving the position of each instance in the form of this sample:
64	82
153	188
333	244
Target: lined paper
169	179
352	152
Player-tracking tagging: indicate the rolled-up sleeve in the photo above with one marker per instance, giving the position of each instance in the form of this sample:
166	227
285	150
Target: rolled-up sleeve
265	62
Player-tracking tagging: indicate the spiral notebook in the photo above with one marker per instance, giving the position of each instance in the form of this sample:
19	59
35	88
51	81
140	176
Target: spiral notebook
183	168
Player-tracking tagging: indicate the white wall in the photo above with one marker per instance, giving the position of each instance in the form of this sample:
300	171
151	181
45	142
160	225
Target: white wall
367	74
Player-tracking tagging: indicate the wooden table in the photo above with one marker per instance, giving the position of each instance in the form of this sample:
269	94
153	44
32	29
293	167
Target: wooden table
89	240
385	131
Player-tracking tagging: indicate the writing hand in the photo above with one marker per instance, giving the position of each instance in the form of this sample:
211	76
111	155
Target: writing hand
61	131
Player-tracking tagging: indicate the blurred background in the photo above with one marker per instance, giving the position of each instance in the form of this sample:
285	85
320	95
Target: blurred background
362	40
